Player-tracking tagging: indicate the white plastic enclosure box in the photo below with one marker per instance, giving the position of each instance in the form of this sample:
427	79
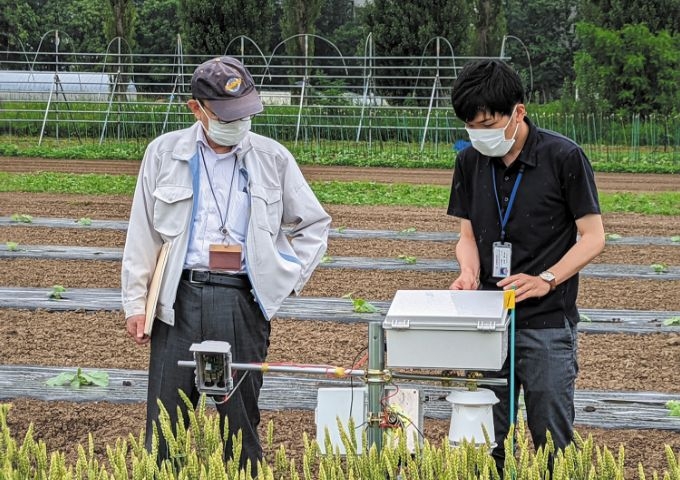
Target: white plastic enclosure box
448	329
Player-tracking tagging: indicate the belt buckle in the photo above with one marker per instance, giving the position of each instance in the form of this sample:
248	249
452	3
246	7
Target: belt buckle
191	277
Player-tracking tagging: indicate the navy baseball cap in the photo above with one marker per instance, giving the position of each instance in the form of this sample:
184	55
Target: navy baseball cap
227	88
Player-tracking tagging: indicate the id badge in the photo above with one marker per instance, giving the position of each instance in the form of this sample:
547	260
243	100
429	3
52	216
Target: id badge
502	258
224	257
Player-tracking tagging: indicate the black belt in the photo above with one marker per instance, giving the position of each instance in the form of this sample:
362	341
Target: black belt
214	278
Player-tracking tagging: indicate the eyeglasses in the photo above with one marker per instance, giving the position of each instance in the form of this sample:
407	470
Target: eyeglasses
212	116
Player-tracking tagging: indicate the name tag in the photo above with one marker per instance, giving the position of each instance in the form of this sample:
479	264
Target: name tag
502	259
224	257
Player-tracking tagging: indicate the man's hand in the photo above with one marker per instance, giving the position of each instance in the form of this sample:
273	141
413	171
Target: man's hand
526	286
135	328
465	281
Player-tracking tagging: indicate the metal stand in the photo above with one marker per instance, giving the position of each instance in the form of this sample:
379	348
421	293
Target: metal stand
56	86
376	383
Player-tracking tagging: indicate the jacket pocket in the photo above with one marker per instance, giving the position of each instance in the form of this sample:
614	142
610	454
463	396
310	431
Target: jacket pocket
267	208
172	209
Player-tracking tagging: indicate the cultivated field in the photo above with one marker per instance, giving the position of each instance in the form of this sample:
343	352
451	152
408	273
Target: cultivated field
611	361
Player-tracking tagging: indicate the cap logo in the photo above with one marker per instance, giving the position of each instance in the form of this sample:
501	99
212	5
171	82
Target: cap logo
233	85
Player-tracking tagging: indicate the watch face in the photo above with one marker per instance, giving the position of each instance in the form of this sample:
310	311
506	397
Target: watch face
547	276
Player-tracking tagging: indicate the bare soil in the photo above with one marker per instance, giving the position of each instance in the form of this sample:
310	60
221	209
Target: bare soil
97	340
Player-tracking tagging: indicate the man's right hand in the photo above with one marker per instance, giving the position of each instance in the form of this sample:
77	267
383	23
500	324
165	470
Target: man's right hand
135	328
465	281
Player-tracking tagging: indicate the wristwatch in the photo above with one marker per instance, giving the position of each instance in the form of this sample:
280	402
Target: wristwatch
550	278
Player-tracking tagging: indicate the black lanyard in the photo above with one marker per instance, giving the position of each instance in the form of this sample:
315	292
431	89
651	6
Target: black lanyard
504	218
223	219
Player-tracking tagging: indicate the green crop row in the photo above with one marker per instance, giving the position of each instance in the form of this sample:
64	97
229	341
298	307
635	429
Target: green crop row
330	192
195	452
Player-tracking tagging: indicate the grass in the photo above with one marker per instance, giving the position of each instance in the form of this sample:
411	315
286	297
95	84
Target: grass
344	153
346	193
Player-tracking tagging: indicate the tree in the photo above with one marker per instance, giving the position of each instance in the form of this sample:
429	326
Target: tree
157	28
547	30
80	23
339	24
489	27
18	22
120	21
615	14
405	29
207	26
299	17
156	36
631	69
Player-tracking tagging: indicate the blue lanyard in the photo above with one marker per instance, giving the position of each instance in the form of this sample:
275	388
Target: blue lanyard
504	218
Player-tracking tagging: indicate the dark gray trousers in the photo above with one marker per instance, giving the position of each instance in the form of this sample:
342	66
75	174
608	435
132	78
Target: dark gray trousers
208	312
546	366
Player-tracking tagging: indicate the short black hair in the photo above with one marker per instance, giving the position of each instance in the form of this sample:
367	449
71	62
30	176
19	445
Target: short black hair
488	85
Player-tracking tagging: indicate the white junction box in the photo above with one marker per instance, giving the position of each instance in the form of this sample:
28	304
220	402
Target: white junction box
448	329
407	405
341	403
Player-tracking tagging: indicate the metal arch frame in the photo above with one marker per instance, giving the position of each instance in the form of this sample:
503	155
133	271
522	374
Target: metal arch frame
305	77
526	51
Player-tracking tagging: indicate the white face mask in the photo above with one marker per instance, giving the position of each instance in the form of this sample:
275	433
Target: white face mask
226	134
491	141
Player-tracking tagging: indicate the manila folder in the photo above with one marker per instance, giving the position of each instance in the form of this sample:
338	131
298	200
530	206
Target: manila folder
155	287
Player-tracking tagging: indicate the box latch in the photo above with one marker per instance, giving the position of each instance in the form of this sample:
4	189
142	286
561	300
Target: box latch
401	323
487	326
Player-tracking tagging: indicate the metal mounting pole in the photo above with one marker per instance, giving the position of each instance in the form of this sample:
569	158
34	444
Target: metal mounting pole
376	382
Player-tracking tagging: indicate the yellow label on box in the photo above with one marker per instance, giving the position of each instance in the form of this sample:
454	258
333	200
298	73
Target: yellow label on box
509	299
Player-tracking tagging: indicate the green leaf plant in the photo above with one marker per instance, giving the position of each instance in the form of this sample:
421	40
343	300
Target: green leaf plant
674	407
21	218
79	379
408	259
659	267
360	305
57	292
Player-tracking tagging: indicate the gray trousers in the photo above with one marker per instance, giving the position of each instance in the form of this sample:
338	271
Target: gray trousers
546	366
210	312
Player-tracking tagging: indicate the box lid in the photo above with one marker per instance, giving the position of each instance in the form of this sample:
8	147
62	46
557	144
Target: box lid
447	310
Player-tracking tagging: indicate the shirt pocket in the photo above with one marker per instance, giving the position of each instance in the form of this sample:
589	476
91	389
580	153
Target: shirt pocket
267	208
172	209
238	216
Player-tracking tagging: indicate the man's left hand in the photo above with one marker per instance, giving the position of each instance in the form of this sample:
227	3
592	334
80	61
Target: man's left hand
526	286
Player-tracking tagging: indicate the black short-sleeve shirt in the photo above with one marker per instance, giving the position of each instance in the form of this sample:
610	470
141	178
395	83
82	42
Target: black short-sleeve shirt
557	187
